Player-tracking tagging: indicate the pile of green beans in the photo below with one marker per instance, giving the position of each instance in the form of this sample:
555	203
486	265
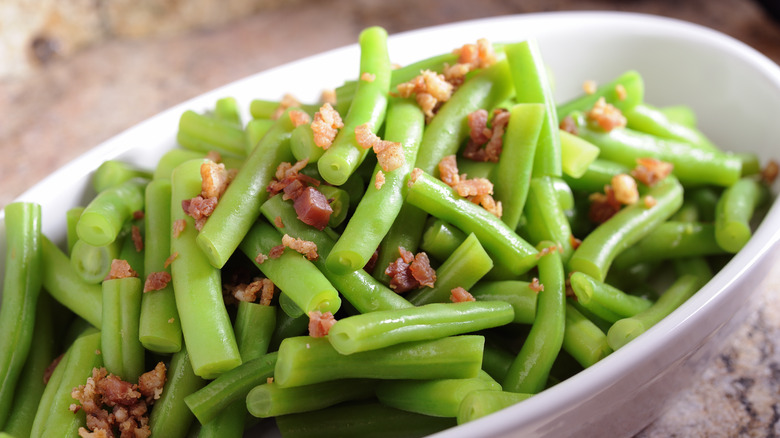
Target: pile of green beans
552	292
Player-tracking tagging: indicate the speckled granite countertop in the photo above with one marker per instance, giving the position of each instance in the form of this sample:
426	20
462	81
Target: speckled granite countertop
50	118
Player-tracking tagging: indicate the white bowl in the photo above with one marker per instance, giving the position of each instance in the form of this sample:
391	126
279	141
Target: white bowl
735	92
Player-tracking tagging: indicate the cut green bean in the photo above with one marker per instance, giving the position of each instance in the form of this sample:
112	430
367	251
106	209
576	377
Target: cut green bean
463	268
287	326
632	85
174	157
123	354
481	403
255	130
113	172
239	206
598	174
197	287
93	263
650	120
170	416
515	292
671	240
271	400
226	109
302	144
546	219
589	290
496	360
583	339
72	219
733	212
102	219
576	154
440	239
266	109
305	360
203	134
681	114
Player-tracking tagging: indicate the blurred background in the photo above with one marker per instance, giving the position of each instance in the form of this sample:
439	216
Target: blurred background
73	73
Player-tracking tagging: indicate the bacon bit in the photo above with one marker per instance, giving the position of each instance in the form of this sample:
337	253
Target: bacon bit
371	264
199	208
298	118
50	369
430	89
276	252
179	225
649	201
535	285
606	116
448	171
491	138
574	242
548	250
267	293
151	383
170	259
471	57
589	86
328	96
413	175
170	321
248	292
621	92
120	269
313	208
488	203
97	352
568	291
138	215
260	258
320	323
214	156
368	77
278	222
389	154
379	180
215	180
568	125
478	190
269	380
460	295
603	205
474	187
138	241
157	281
288	101
650	171
770	171
305	247
422	271
401	279
625	189
406	255
478	126
325	126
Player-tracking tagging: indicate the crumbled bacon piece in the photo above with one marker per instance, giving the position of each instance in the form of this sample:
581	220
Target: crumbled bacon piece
371	264
368	77
422	271
621	92
138	215
305	247
286	169
448	171
535	285
471	56
477	190
313	208
410	271
199	208
485	144
603	206
478	126
120	269
215	180
413	175
170	320
50	369
488	203
151	383
214	156
138	241
649	201
379	180
650	171
288	180
474	187
606	116
170	259
460	295
568	125
389	154
157	281
179	225
260	258
770	171
430	90
574	242
267	294
298	118
276	252
625	189
248	292
328	96
288	101
278	222
406	255
320	323
325	126
589	86
548	250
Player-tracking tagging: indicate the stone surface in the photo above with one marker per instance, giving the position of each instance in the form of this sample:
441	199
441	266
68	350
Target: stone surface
68	107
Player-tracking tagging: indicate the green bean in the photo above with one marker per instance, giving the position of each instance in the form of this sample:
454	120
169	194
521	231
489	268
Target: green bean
21	287
305	360
597	251
233	385
671	240
681	114
438	398
265	109
440	239
379	207
481	403
631	82
515	292
463	268
688	213
174	157
751	163
93	263
302	144
203	134
440	200
367	107
496	360
30	382
583	339
359	288
297	277
546	218
532	365
128	251
123	354
271	400
697	266
47	397
67	287
170	416
226	109
733	212
706	201
375	330
57	419
360	420
72	218
598	174
287	326
239	206
651	120
197	287
159	327
626	330
113	172
529	76
576	154
339	201
589	290
481	169
255	130
102	219
563	193
513	174
355	186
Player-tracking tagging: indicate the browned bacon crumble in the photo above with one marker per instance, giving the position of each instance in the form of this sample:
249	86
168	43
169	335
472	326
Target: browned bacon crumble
460	295
371	264
288	101
298	118
179	225
320	323
199	208
413	175
589	86
120	269
138	215
313	208
535	286
410	271
326	125
471	57
260	258
574	242
389	154
170	259
625	189
606	116
379	180
305	247
215	179
328	96
603	205
214	156
138	241
50	369
276	252
249	292
476	190
649	201
157	281
568	125
649	171
368	77
430	90
621	92
278	222
548	250
485	144
770	171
